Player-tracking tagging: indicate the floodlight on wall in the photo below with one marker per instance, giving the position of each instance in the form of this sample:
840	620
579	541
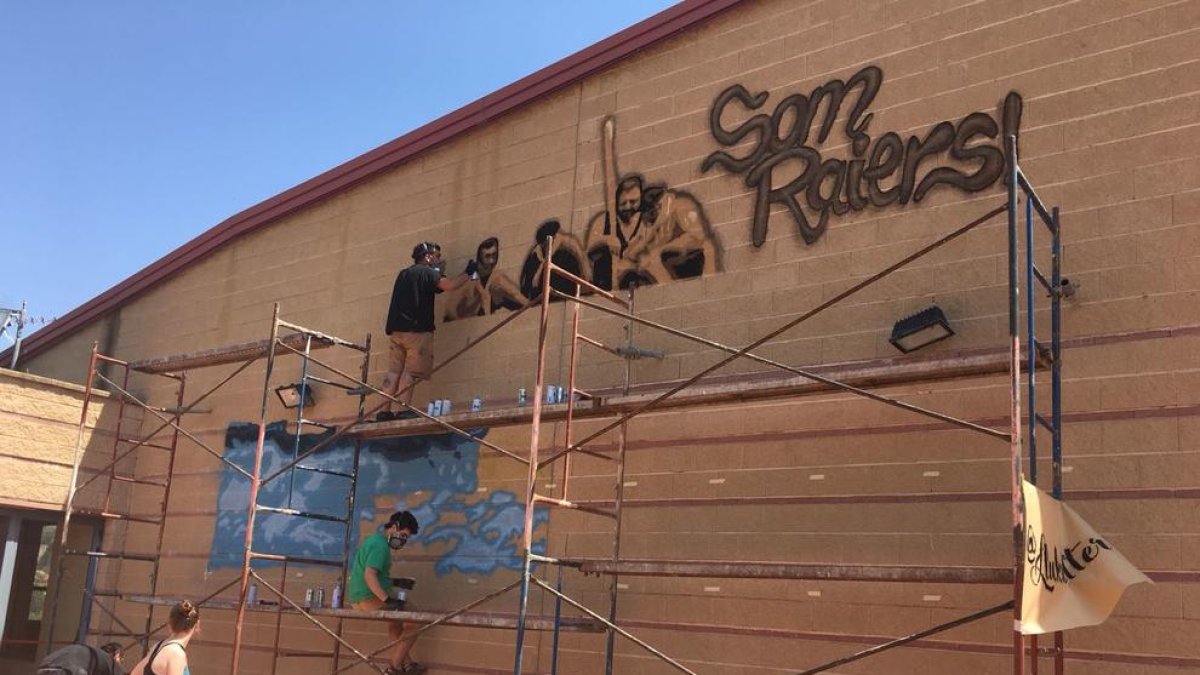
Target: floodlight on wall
293	394
920	330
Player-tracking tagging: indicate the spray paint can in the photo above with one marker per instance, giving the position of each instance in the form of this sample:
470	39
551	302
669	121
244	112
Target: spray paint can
476	404
319	600
308	598
522	398
436	408
429	409
336	600
252	594
445	406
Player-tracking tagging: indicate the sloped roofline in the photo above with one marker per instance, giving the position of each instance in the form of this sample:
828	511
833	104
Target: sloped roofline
548	80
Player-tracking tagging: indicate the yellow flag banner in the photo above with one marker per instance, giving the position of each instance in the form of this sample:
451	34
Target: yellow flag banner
1073	576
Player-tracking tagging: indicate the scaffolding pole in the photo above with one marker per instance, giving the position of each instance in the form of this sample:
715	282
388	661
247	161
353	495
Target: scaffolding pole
106	511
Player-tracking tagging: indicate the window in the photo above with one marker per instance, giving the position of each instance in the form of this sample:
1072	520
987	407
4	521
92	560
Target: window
41	573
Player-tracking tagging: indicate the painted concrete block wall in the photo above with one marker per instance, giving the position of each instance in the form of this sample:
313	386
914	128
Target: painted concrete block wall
38	438
1108	132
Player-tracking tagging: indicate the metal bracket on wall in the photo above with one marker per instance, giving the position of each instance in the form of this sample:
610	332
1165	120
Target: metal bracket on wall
633	353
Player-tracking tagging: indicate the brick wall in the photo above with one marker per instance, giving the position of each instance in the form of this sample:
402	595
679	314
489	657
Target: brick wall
1108	133
38	438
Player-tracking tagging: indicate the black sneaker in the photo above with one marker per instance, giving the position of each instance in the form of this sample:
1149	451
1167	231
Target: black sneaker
407	415
385	416
414	668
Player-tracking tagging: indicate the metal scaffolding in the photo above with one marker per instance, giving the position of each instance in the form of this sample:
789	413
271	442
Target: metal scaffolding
102	508
1024	353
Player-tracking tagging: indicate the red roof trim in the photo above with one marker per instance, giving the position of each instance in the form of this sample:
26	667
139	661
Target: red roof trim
568	71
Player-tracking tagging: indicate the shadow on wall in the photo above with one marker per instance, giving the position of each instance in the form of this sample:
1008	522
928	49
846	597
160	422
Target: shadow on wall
435	477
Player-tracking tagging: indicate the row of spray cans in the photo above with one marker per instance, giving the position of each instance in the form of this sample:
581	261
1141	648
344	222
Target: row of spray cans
313	598
554	394
443	406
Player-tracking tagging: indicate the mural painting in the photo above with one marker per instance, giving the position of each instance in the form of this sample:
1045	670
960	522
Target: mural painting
568	254
784	165
492	291
433	476
647	234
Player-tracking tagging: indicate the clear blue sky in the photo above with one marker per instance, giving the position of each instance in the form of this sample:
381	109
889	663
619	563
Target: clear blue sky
129	127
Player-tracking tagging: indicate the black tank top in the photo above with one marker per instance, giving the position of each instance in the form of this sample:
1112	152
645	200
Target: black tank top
154	654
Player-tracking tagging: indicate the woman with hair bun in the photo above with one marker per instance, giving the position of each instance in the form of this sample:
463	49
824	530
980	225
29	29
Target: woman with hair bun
169	657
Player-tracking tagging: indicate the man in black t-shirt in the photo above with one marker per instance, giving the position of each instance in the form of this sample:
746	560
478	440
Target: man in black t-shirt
83	660
410	323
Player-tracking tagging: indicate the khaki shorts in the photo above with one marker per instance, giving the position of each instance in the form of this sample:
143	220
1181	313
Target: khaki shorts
368	605
395	627
411	353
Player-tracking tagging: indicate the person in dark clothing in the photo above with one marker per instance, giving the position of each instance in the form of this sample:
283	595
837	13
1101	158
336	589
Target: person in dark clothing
410	323
83	660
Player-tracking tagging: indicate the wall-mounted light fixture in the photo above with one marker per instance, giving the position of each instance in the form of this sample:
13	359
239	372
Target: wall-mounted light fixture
292	394
920	330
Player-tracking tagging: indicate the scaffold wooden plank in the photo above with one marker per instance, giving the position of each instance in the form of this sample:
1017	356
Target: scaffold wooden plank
498	417
221	355
469	619
803	571
866	374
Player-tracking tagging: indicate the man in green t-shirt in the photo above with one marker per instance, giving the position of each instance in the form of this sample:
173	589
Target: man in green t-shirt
370	584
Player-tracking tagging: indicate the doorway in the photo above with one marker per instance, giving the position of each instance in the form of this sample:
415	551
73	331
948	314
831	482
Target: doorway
28	550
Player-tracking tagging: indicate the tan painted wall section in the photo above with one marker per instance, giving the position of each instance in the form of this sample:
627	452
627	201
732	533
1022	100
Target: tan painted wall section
39	434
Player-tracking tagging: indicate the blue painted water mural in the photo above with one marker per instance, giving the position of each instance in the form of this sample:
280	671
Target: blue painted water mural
435	477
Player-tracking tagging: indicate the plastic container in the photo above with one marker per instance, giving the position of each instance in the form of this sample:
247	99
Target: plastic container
252	594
